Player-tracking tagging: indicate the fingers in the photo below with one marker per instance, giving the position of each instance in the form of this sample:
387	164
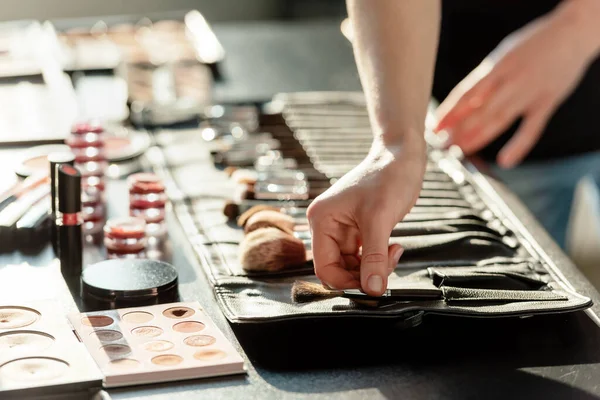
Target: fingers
525	137
375	262
394	253
331	267
467	96
486	123
329	264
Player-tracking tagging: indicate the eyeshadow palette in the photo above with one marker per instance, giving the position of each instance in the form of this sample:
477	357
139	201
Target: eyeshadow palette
39	353
159	343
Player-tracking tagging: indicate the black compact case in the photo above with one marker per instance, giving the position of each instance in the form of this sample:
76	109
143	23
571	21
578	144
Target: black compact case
462	238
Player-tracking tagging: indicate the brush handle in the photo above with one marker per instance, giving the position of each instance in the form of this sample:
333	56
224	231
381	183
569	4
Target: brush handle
428	292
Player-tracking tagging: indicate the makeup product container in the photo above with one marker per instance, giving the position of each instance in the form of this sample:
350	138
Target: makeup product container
69	223
125	238
40	357
161	343
87	143
35	159
128	283
147	200
55	160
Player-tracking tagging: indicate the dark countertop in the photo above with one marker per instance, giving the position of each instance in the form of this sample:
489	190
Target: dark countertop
549	357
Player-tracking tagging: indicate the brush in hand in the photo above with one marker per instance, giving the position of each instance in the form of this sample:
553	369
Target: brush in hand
306	292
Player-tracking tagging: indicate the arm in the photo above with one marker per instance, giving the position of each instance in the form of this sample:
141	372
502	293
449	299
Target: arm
395	45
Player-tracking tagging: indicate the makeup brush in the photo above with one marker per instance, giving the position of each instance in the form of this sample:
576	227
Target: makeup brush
22	188
294	212
233	209
270	249
269	219
306	292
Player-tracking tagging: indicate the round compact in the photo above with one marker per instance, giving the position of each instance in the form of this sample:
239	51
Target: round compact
35	159
123	148
120	283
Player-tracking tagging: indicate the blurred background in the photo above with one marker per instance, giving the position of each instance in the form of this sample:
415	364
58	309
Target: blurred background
220	10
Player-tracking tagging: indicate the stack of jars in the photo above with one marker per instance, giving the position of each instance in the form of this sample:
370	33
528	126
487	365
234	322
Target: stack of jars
125	238
87	144
147	200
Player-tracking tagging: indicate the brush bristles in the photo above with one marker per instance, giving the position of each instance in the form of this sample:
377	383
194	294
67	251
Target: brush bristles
270	249
306	292
250	212
231	210
270	219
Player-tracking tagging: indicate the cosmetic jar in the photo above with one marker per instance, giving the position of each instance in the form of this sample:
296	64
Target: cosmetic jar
87	143
147	200
128	283
87	127
93	210
125	237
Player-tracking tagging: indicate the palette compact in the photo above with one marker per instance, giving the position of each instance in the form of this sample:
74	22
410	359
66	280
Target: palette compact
39	354
42	354
160	343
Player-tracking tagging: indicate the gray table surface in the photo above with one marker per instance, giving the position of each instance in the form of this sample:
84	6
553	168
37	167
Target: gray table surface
550	357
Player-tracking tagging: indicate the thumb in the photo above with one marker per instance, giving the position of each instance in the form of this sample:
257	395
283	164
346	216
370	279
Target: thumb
374	261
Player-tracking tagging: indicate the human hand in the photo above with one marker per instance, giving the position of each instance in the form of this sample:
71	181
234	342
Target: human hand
361	209
528	75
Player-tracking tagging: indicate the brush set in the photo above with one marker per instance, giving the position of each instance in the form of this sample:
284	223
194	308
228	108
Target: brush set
242	196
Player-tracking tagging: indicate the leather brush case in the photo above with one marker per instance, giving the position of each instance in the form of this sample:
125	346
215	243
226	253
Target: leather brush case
461	240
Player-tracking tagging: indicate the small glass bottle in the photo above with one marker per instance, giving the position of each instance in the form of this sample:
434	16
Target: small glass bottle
125	238
147	200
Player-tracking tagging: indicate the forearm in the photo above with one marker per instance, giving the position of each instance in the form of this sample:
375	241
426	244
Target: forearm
395	43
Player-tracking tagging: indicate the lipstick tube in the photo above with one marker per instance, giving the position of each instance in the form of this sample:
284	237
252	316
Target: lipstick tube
55	160
69	222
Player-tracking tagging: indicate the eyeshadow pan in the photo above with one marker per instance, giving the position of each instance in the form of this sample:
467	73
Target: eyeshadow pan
123	364
34	369
107	335
17	317
97	321
158	345
167	360
147	331
199	340
115	350
188	327
137	317
178	312
29	341
209	355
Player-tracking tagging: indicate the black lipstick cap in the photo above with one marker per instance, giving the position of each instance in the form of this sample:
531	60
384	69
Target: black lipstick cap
55	159
69	189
